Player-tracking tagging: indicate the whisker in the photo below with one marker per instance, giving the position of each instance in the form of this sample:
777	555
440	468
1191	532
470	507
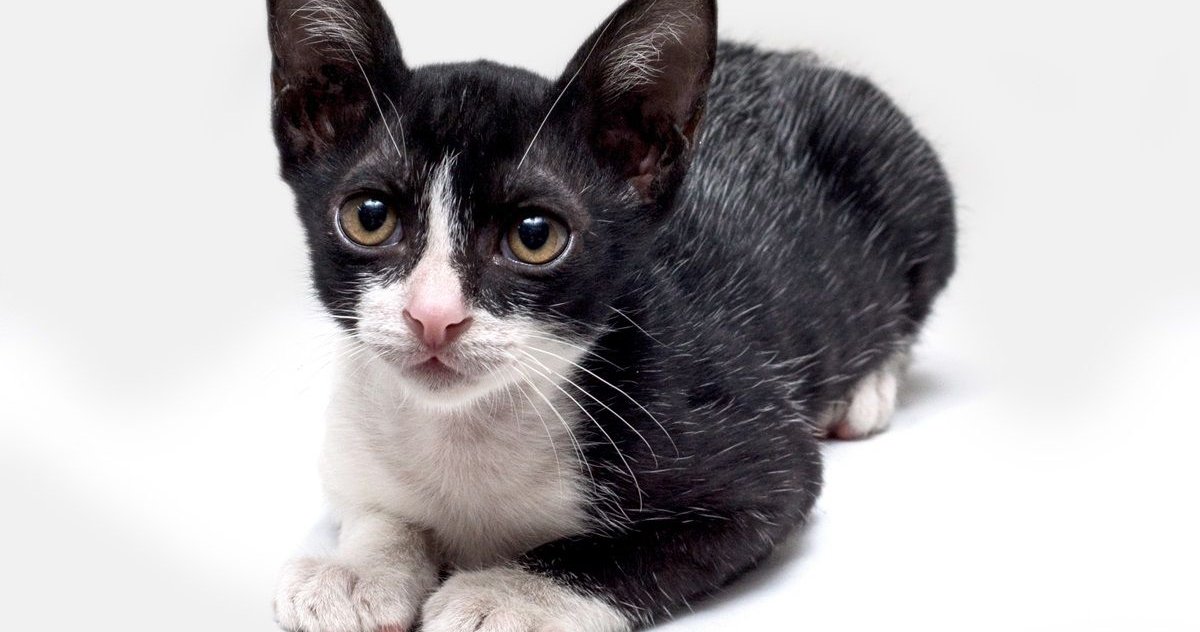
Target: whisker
370	88
637	326
554	409
598	401
549	435
512	405
403	136
584	350
563	93
619	390
620	454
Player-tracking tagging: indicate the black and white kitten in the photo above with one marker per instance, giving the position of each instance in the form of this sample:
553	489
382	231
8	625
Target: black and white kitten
594	326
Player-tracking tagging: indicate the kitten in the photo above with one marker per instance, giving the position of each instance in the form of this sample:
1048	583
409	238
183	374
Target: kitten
594	326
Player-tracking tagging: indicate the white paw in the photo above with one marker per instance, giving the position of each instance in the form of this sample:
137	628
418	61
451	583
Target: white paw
512	600
322	595
871	406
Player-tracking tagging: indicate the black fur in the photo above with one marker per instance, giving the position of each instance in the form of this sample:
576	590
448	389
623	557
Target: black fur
744	255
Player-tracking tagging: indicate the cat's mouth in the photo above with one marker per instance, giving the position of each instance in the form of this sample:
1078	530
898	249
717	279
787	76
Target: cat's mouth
437	370
438	373
450	376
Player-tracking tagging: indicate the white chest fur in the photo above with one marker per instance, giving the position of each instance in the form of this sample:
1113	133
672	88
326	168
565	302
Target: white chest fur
488	482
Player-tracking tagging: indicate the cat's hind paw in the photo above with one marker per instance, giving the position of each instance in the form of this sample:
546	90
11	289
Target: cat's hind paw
871	404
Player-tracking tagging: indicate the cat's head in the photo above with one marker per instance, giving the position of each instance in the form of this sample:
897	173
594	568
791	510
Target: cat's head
473	224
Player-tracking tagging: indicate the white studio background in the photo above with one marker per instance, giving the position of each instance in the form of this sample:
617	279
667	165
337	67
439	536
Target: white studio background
163	368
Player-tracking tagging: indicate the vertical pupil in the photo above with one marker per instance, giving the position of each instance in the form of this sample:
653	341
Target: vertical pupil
534	232
373	215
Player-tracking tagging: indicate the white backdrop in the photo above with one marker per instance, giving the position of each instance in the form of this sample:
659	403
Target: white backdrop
163	368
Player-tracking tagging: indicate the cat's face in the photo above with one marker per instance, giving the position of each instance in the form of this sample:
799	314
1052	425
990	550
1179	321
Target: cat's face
462	270
472	225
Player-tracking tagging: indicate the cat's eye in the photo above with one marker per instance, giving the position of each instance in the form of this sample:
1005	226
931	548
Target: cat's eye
369	221
537	239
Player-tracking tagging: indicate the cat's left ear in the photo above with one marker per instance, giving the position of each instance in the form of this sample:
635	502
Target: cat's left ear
637	89
335	62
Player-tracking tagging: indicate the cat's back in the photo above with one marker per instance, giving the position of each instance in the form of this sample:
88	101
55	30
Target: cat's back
793	146
813	202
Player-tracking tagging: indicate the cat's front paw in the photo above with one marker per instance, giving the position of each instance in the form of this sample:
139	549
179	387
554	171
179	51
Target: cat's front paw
323	595
512	600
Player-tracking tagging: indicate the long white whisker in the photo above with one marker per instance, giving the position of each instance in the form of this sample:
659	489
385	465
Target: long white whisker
617	389
362	350
582	349
370	88
598	401
554	409
550	436
403	137
563	93
512	404
620	454
637	326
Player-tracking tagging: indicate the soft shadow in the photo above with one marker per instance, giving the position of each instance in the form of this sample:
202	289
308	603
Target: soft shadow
321	540
791	552
917	388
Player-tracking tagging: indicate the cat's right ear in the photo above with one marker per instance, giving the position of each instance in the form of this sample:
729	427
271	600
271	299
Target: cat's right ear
334	62
638	88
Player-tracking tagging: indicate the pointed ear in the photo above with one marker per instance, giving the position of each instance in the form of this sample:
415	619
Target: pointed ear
334	62
639	86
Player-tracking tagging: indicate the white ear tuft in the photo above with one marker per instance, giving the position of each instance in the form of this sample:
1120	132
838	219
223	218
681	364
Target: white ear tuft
637	58
334	61
640	98
335	28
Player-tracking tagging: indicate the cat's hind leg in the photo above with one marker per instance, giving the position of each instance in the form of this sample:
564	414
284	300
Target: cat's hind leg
870	405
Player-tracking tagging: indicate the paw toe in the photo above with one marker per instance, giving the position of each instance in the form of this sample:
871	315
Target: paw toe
871	406
323	596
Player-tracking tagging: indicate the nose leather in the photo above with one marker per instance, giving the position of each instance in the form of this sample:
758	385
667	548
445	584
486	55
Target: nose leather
437	320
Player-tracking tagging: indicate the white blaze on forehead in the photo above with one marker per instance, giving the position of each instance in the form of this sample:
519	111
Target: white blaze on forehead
435	278
445	231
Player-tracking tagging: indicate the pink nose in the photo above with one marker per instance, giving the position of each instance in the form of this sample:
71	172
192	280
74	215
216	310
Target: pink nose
437	324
